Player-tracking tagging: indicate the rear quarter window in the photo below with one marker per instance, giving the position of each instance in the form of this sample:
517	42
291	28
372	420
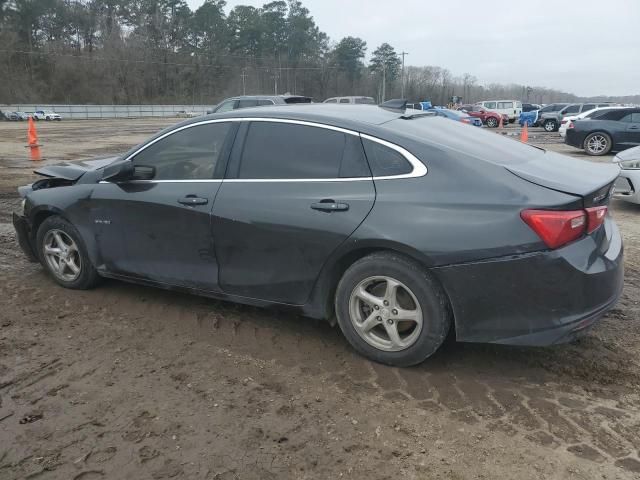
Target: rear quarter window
385	161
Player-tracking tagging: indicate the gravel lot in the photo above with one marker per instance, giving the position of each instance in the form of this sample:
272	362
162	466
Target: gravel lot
129	382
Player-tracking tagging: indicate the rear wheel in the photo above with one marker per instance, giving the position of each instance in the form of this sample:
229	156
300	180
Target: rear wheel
64	255
492	122
391	310
550	126
598	143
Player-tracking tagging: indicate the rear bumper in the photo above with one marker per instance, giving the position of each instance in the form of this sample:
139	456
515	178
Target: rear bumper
537	299
574	139
23	232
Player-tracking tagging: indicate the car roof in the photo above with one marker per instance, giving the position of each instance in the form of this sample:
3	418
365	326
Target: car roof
263	97
346	116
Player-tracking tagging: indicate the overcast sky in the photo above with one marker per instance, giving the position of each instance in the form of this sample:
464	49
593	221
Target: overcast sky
587	47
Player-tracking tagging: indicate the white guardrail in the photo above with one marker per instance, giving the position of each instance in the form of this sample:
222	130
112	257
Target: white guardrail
108	111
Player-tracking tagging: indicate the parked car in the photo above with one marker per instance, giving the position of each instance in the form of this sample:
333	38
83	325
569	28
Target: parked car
551	121
627	185
489	118
351	100
530	107
16	116
456	115
360	213
533	117
46	115
186	114
616	130
511	108
564	123
247	101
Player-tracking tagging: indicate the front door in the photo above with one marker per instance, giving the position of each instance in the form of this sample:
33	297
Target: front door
293	193
160	229
632	135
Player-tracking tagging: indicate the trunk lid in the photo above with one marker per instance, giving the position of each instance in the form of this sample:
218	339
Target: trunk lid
589	180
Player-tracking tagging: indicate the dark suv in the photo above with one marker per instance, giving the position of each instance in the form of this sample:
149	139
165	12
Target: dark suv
246	101
551	120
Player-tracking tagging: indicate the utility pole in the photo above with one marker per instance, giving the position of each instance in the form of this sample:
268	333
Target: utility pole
275	83
384	82
402	75
244	77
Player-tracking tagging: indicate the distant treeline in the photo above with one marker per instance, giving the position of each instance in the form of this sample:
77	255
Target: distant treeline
145	51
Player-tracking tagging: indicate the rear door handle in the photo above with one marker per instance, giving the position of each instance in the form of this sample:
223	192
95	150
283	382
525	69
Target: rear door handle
193	200
330	206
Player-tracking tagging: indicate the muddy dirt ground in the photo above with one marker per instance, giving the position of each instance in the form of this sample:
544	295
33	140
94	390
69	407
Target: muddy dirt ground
129	382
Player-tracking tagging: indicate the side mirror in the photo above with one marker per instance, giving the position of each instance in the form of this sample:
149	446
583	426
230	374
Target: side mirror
117	171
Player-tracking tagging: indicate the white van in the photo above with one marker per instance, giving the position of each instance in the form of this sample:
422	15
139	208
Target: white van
511	108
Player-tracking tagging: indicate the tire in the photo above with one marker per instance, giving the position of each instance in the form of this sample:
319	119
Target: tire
50	232
492	122
47	118
597	144
418	293
550	126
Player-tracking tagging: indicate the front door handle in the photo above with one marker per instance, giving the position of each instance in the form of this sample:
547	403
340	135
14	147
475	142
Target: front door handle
330	206
192	200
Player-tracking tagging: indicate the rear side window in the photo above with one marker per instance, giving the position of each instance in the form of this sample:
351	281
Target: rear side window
331	100
265	102
385	161
635	117
189	154
290	151
365	101
505	104
247	103
588	106
345	100
614	115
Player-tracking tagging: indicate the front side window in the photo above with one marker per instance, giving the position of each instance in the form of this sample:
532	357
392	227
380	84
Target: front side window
188	154
345	100
490	105
385	161
588	106
289	151
331	100
365	101
571	109
265	102
635	117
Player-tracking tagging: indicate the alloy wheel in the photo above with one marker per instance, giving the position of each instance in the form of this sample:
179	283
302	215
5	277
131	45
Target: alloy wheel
549	126
385	313
597	144
492	122
62	255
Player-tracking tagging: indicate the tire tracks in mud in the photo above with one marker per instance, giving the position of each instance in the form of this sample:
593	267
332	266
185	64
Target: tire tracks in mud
551	398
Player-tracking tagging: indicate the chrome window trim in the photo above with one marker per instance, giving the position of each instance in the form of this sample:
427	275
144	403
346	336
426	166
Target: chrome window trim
419	169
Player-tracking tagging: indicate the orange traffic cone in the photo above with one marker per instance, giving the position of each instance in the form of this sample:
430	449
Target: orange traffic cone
32	139
524	134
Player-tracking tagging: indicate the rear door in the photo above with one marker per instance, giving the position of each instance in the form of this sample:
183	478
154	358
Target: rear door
160	229
293	192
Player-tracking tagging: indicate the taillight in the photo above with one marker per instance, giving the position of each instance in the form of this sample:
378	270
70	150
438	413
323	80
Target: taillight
559	227
555	227
562	122
466	120
595	217
571	125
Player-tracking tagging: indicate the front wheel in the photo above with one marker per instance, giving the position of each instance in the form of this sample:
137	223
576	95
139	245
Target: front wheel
492	122
64	255
598	143
391	310
550	126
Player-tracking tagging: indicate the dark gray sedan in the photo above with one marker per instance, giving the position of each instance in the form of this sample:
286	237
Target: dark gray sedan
401	226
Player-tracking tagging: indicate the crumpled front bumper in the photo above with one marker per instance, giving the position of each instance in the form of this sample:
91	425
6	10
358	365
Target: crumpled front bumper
23	232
